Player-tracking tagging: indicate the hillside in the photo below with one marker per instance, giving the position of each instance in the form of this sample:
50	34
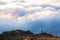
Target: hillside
26	35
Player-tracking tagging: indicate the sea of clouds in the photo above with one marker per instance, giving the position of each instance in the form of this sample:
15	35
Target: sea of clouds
33	15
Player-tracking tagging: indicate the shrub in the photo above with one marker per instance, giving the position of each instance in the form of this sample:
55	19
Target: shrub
19	39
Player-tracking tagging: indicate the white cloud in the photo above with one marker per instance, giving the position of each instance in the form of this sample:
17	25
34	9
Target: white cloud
37	14
32	10
29	3
32	13
6	0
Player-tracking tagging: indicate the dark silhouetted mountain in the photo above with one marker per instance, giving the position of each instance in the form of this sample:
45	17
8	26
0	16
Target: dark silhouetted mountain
19	34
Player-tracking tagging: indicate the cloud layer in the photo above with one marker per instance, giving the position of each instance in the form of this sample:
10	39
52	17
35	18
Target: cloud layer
33	15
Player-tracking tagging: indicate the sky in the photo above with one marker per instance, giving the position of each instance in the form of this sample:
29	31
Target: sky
33	15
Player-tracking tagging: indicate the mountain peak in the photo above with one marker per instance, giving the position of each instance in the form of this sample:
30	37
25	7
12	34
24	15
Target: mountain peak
19	33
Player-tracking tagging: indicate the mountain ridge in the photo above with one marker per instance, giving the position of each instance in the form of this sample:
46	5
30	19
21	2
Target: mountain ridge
13	35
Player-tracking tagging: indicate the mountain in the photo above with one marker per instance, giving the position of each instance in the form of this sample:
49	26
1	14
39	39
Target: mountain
26	35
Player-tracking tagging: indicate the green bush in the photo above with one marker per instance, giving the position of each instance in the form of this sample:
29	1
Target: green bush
19	39
32	39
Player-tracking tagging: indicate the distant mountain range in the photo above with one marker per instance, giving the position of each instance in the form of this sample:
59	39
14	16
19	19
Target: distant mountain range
26	35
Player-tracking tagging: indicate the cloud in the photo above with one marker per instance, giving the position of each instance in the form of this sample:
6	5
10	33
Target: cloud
30	3
2	3
6	0
33	15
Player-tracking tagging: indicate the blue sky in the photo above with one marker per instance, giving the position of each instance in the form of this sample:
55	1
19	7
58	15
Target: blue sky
33	15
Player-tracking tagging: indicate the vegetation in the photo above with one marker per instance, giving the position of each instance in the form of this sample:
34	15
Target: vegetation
19	39
33	39
26	35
